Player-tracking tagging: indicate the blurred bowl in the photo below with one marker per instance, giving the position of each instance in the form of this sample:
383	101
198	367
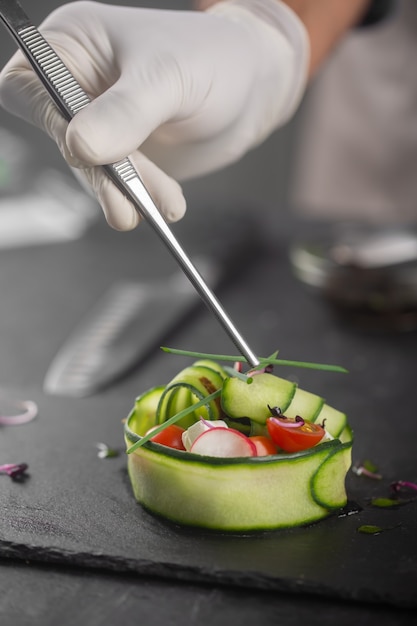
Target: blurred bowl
368	274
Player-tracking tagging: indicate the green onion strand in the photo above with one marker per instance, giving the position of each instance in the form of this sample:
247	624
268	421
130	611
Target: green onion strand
262	361
232	372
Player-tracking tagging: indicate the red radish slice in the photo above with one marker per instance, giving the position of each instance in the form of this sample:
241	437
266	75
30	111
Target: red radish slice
223	442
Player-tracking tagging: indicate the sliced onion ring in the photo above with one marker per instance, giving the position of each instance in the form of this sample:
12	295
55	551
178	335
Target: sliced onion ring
286	423
28	411
14	470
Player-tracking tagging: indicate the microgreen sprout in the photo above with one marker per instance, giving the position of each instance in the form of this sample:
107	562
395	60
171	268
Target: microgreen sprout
104	452
368	469
401	485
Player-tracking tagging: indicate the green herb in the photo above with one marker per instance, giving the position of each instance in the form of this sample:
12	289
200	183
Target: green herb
385	503
362	470
370	529
173	419
262	361
370	466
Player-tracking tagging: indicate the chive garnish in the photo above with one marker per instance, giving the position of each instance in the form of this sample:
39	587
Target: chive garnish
174	419
263	361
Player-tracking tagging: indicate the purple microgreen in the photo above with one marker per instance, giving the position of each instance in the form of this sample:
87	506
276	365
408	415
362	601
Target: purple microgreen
21	412
173	419
362	470
401	485
263	362
14	470
104	452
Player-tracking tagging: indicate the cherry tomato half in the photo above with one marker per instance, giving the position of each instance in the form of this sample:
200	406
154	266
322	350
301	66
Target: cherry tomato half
171	436
292	438
263	445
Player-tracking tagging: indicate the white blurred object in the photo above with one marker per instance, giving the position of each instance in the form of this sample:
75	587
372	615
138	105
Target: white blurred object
54	209
357	148
369	273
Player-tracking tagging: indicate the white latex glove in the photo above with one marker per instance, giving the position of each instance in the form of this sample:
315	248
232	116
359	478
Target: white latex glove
182	92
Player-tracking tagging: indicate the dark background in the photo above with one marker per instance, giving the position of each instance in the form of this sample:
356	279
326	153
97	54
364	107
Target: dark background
74	546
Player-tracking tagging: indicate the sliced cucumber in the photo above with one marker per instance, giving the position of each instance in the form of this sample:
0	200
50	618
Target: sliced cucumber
334	420
243	425
142	417
211	365
182	398
237	494
305	404
326	488
346	435
240	399
190	385
258	493
258	429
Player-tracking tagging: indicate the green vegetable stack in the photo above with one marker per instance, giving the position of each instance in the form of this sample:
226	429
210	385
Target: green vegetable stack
223	450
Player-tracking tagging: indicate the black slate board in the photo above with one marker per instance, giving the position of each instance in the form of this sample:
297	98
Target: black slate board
76	509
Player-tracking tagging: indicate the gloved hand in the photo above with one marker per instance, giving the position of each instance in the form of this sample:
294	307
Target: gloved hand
182	92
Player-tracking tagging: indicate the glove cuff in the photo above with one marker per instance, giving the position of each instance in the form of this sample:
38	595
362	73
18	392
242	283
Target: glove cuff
280	17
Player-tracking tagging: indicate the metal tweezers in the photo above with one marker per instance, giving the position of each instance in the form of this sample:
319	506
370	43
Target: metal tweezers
70	98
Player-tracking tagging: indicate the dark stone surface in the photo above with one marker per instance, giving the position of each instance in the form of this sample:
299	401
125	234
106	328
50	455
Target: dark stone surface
76	511
74	546
50	596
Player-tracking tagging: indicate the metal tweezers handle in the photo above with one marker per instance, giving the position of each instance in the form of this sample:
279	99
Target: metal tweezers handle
70	98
